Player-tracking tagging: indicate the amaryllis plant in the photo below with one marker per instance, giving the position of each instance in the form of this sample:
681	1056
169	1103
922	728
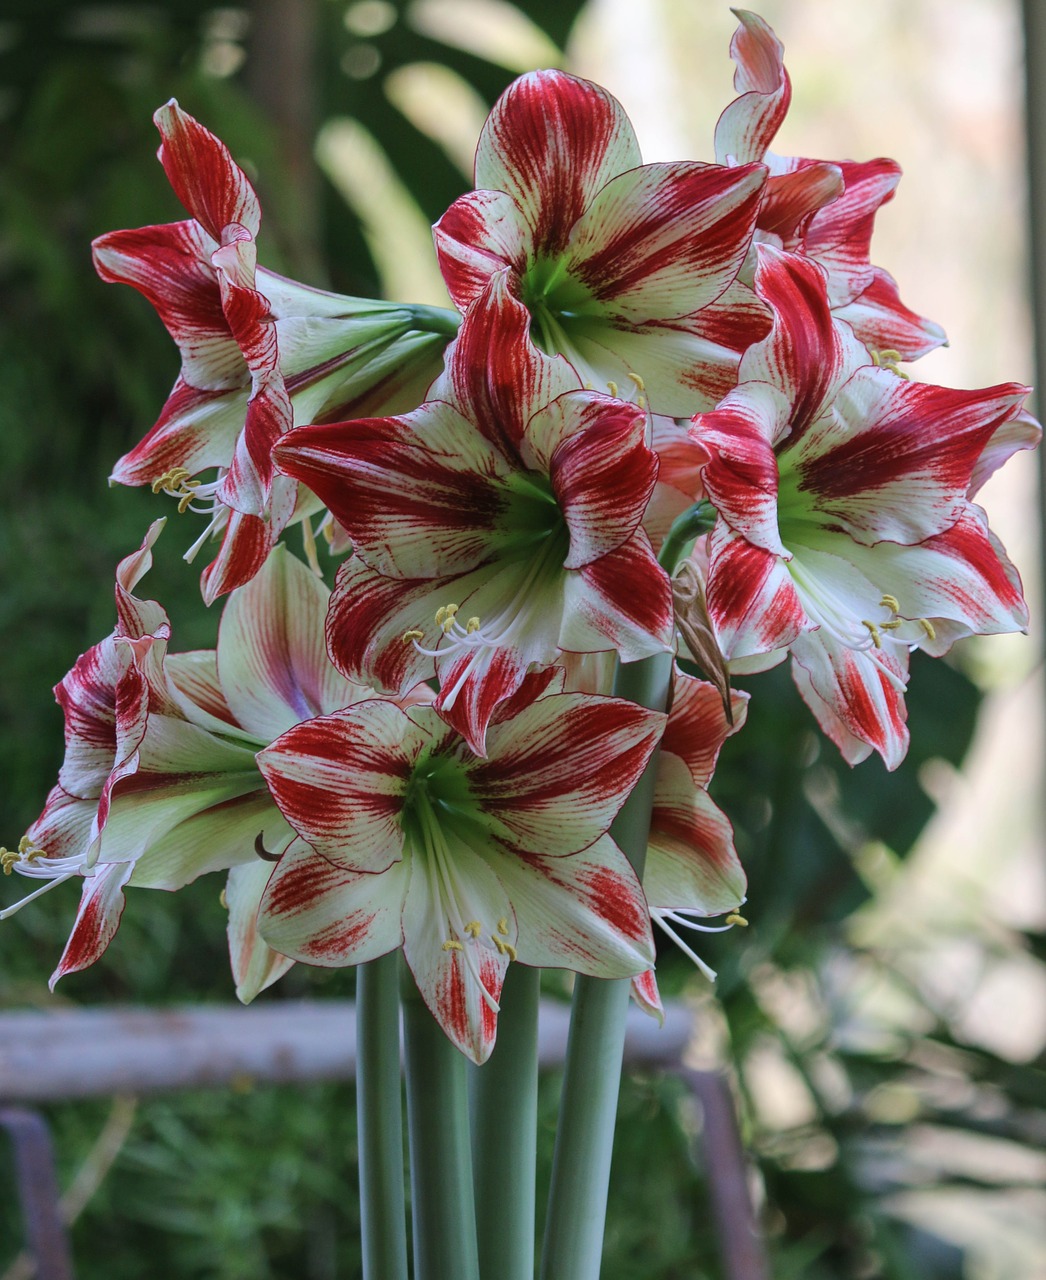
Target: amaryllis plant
664	439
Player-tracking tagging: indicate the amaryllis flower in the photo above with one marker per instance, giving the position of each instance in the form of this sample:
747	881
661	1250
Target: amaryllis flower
845	531
825	210
495	527
467	863
256	350
159	783
627	269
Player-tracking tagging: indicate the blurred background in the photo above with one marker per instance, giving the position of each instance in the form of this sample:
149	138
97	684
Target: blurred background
883	1019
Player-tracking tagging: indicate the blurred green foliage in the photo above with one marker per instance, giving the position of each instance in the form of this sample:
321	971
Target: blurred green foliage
261	1183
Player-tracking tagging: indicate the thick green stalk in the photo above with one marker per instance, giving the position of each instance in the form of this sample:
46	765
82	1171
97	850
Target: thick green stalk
442	1207
504	1094
433	319
585	1137
379	1106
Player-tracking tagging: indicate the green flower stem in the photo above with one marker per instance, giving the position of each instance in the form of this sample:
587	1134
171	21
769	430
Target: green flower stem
442	1207
691	524
577	1201
433	319
504	1095
379	1107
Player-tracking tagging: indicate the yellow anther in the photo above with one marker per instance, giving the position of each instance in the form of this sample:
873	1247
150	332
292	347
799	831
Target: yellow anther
473	928
873	630
184	500
891	626
891	603
505	948
612	388
889	354
735	917
472	625
451	610
890	359
452	945
503	926
640	402
640	384
171	479
26	852
928	627
8	858
223	899
413	634
441	613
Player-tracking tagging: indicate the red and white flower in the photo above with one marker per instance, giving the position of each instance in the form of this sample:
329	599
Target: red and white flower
626	269
256	350
822	209
513	500
465	862
845	532
159	783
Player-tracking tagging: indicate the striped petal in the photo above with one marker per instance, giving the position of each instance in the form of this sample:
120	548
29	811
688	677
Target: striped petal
748	125
807	355
461	982
170	266
482	233
585	912
741	475
272	659
602	471
325	914
751	598
420	495
97	919
691	861
551	142
494	374
255	965
856	695
557	772
883	323
665	239
895	458
205	178
621	601
340	781
697	725
839	235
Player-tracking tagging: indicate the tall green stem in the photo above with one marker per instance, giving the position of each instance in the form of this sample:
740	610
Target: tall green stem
577	1202
504	1094
442	1207
379	1106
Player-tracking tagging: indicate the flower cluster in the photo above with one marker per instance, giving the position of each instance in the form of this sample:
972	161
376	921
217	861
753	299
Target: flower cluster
667	421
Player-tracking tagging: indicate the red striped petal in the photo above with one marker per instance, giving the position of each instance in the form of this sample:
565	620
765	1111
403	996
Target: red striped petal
482	233
205	178
751	599
748	125
552	141
97	919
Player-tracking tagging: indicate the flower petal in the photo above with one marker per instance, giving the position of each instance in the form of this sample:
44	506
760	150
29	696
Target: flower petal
255	965
272	658
494	374
697	725
482	233
551	142
420	495
807	355
602	471
621	601
883	323
557	773
665	239
585	912
97	919
751	598
340	782
748	125
895	458
211	186
856	695
323	914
